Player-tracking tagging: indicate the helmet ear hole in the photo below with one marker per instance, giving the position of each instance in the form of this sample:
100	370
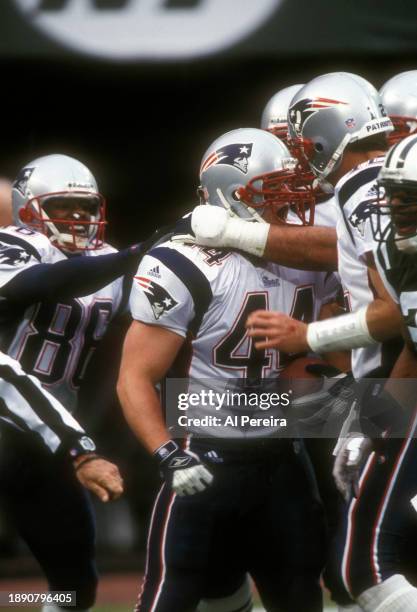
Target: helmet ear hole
318	147
25	215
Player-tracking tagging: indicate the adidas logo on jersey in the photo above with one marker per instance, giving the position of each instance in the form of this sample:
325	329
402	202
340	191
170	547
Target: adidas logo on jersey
154	272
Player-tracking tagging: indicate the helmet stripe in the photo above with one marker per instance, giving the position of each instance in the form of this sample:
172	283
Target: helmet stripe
403	154
389	157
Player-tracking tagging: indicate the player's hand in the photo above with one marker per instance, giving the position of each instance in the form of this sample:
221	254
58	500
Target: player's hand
277	330
99	476
352	454
182	469
206	225
214	226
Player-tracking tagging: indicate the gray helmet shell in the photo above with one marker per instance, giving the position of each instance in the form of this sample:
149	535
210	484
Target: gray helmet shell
332	111
399	94
235	158
276	111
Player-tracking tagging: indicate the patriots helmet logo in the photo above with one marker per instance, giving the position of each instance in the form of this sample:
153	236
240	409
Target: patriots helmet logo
22	180
13	255
236	154
302	110
159	298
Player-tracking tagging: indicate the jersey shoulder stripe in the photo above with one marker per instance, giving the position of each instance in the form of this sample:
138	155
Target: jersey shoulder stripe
20	242
356	181
192	277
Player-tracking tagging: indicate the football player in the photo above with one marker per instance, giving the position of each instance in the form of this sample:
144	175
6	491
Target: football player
399	97
30	412
60	285
192	302
393	224
333	120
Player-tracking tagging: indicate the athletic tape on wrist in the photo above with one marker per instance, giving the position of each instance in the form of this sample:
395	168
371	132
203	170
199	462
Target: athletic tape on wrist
247	236
340	333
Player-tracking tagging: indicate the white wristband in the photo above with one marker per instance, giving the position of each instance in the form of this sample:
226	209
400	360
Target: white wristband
340	333
247	236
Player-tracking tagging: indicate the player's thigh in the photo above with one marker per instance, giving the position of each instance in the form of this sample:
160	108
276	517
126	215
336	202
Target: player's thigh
380	520
289	552
178	552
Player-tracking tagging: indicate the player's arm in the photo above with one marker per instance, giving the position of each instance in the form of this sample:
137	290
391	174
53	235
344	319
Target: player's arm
148	353
38	413
377	322
73	277
338	359
304	248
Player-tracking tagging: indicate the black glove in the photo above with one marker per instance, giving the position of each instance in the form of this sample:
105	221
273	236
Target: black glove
182	469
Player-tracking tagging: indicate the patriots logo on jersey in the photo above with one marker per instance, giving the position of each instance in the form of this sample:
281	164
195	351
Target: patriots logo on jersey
22	180
305	108
13	255
359	216
159	299
236	155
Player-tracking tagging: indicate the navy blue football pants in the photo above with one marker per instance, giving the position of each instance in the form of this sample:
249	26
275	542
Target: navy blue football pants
261	515
377	537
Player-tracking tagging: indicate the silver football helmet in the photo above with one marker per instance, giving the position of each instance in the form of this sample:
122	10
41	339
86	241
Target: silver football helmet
399	97
274	116
397	197
329	113
58	196
248	170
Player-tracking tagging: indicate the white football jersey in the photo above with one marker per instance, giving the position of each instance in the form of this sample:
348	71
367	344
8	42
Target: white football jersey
208	294
54	341
353	194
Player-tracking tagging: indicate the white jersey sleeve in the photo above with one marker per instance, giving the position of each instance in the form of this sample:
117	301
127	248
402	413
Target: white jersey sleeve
160	298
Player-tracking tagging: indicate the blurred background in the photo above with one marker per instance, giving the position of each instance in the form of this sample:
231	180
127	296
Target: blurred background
137	90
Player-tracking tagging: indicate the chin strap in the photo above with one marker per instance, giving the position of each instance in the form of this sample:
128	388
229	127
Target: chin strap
336	157
255	215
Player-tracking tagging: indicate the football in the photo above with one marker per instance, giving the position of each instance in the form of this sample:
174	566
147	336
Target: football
300	381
